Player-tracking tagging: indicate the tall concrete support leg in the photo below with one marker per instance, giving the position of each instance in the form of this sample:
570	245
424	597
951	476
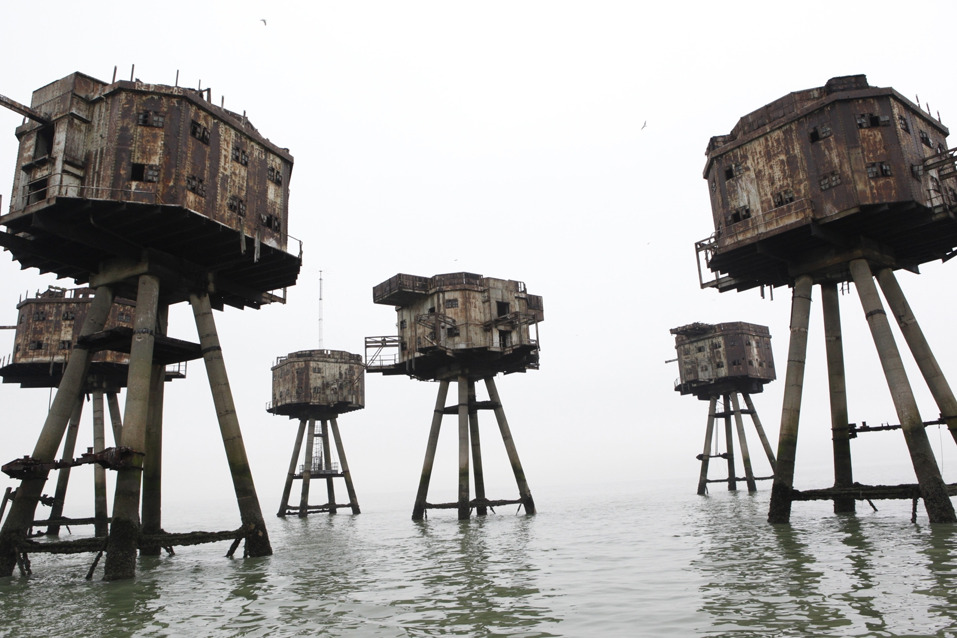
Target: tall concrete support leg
344	466
780	508
464	509
307	469
257	538
101	526
125	528
116	419
153	463
418	510
760	429
63	476
20	518
729	438
706	452
481	509
327	466
743	443
293	462
837	388
524	493
926	361
932	488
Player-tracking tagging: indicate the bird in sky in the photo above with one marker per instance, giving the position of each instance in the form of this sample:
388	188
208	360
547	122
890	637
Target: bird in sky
644	125
263	20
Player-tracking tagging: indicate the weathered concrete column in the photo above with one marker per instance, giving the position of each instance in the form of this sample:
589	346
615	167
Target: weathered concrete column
125	528
116	419
757	426
152	512
463	500
932	487
837	389
481	509
743	443
706	452
257	538
418	510
63	476
327	466
729	438
100	509
923	355
344	466
524	493
22	511
780	507
307	469
293	462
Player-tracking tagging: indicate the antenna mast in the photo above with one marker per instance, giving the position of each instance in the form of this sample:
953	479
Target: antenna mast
320	310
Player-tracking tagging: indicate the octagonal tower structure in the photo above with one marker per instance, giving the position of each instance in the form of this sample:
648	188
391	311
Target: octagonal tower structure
151	193
317	385
717	362
825	186
462	327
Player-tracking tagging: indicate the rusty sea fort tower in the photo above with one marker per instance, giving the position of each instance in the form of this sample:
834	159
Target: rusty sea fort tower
48	325
825	186
460	327
717	363
317	385
149	193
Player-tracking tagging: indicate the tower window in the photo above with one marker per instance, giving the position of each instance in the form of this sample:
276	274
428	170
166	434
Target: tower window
236	204
818	133
452	303
150	118
783	197
902	122
274	175
196	185
199	131
144	173
240	155
925	139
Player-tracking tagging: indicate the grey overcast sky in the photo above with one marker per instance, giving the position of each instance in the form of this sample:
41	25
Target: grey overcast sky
502	138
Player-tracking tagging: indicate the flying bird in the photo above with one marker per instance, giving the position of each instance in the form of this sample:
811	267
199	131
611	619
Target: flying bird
644	125
263	20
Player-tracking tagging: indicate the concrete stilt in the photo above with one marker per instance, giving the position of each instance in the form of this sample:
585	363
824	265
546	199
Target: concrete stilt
760	429
418	510
257	538
743	443
293	462
152	512
22	511
837	388
524	493
307	468
923	355
116	418
125	528
932	488
344	466
63	476
327	466
100	508
729	437
463	500
481	509
780	507
706	452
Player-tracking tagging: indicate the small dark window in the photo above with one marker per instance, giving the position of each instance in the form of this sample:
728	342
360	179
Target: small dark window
818	133
502	308
35	345
144	173
69	315
196	184
274	175
39	316
925	139
504	338
236	204
240	155
150	118
732	171
65	344
452	303
902	122
700	349
452	331
270	221
869	120
719	364
783	197
44	142
916	171
879	169
403	324
199	131
124	317
830	180
37	191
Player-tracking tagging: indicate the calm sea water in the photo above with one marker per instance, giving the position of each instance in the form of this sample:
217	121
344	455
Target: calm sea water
625	564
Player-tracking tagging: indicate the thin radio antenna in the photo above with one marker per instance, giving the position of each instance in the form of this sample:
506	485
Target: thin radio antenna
320	310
